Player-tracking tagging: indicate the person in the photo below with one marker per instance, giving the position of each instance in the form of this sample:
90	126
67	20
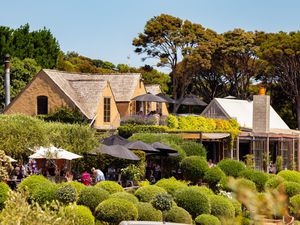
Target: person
210	163
98	175
86	178
111	173
69	176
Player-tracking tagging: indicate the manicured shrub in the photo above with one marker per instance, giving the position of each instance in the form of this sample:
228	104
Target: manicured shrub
290	188
192	200
110	186
213	176
203	189
4	192
224	184
162	201
273	182
44	193
231	167
147	193
192	148
295	205
171	185
243	183
92	197
178	215
116	210
290	175
147	212
206	219
81	214
258	177
172	122
77	185
31	182
126	196
194	168
66	194
237	206
221	207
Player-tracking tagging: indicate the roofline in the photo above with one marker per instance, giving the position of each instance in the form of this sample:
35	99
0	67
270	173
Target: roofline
92	74
218	104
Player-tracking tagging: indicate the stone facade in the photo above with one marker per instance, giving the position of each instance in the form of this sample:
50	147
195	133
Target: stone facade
261	113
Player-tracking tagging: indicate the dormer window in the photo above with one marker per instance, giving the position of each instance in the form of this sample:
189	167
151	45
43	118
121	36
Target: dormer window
42	105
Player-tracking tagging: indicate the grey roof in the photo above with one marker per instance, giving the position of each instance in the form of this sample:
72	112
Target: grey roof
153	88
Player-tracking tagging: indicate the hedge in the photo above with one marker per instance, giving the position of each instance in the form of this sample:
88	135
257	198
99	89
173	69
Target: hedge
147	212
194	168
290	188
178	215
290	175
171	185
203	189
92	197
221	207
82	215
213	176
192	148
231	167
206	219
126	196
295	205
44	193
32	182
147	193
110	186
66	194
4	193
273	182
258	177
76	185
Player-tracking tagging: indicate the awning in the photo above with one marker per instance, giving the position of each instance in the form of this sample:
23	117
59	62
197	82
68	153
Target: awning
215	135
204	136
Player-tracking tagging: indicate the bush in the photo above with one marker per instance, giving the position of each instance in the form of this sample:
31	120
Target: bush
295	205
116	210
147	193
243	184
194	168
66	194
92	197
147	212
178	215
77	185
192	200
258	177
221	207
110	186
206	219
231	167
273	182
213	176
290	188
172	122
171	185
44	193
237	206
289	175
192	148
31	182
203	189
125	196
4	193
82	214
162	202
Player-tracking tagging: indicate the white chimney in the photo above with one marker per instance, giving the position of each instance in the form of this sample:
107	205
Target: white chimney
261	112
7	79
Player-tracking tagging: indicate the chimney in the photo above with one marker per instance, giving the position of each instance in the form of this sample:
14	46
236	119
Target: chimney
7	79
261	112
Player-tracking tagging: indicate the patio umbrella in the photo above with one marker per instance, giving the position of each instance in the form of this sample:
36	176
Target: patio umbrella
53	153
149	98
139	145
192	100
167	98
9	158
163	148
114	140
117	151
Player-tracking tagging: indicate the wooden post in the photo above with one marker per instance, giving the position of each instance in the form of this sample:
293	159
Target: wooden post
201	137
237	148
298	154
268	151
231	150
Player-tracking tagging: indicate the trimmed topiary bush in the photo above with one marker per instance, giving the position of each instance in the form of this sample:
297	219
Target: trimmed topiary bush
162	201
147	193
203	189
237	206
116	210
231	167
295	205
194	168
178	215
273	182
126	196
192	200
290	175
243	184
66	194
258	177
77	185
192	148
213	176
4	192
147	212
82	215
171	185
110	186
206	219
92	197
221	207
290	188
31	182
44	193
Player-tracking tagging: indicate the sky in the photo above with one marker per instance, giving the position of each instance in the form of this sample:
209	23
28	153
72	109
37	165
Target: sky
104	30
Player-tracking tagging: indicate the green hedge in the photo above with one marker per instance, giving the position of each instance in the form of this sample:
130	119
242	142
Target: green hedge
290	175
171	185
110	186
4	193
147	212
66	194
178	215
192	148
258	177
273	182
147	193
82	215
221	207
231	167
213	176
44	193
32	182
194	168
92	197
206	219
290	188
126	196
203	189
76	185
295	205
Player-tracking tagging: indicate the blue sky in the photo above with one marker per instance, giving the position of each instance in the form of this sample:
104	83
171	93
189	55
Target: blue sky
105	29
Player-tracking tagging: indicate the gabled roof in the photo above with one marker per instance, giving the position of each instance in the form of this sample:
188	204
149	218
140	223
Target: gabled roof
242	111
153	88
122	85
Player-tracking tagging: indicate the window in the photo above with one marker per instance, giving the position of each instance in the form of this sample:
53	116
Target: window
106	110
42	105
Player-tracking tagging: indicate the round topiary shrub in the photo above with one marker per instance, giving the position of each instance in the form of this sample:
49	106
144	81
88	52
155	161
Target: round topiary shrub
213	176
171	185
295	205
92	197
147	193
126	196
192	148
221	207
178	215
206	219
273	182
162	202
203	189
231	167
194	168
110	186
147	212
66	194
116	210
258	177
237	206
44	193
80	214
4	192
31	182
290	175
192	200
242	184
290	188
77	185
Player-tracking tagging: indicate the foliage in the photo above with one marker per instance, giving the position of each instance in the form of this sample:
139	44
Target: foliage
44	192
162	201
64	115
213	176
116	210
237	206
147	193
147	212
221	207
206	219
178	215
5	165
133	172
290	188
278	163
231	167
203	189
32	182
92	197
249	161
171	185
295	205
245	184
75	184
110	186
273	182
126	196
290	175
82	214
129	129
194	168
172	122
192	148
258	177
66	194
192	200
4	193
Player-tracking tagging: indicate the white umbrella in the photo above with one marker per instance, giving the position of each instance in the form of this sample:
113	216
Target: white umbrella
53	153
